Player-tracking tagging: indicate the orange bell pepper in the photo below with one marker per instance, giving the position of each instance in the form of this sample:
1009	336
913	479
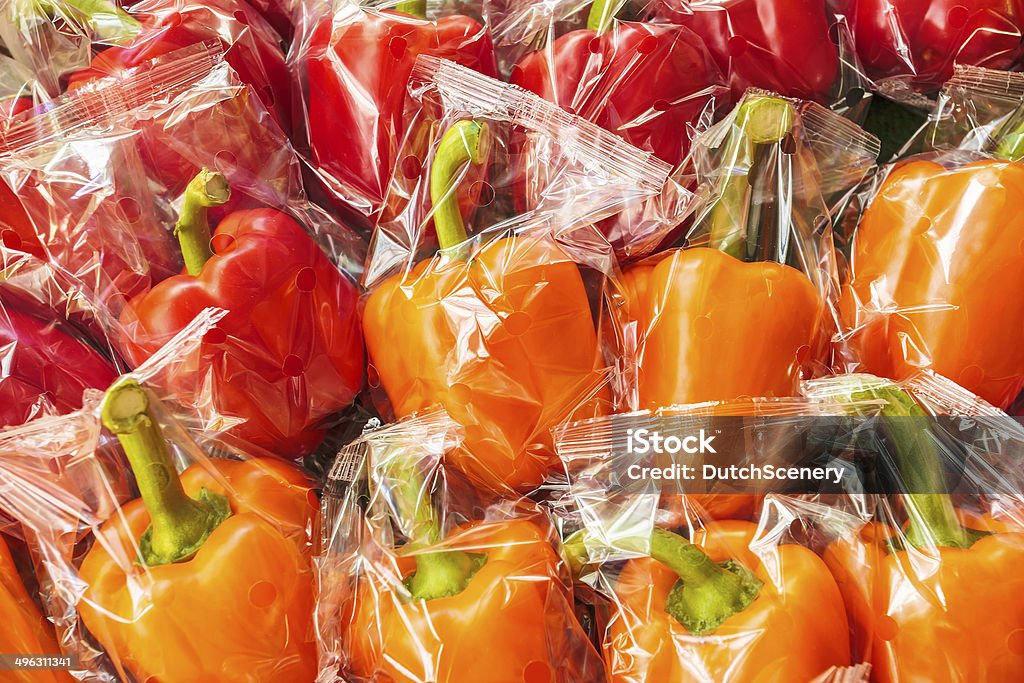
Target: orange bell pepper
950	607
486	602
504	341
25	631
714	611
711	326
936	267
206	577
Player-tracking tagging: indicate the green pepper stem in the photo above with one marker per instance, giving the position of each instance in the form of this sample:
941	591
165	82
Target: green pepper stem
1011	144
467	141
601	15
438	573
760	120
179	524
109	21
414	8
707	592
933	520
208	188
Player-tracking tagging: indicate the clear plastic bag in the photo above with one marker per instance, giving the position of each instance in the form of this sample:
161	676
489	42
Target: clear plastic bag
802	50
928	582
936	251
286	361
421	580
500	327
754	286
910	47
352	64
205	576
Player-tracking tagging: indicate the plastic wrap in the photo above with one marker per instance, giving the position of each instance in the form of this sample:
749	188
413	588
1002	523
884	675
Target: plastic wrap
421	581
352	64
286	361
220	585
932	263
651	84
929	584
800	49
910	47
499	328
753	288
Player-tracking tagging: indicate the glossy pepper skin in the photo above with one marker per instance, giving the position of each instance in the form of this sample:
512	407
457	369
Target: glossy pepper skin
784	47
793	630
924	39
16	231
252	47
934	263
234	601
358	63
44	365
513	622
504	341
289	352
25	631
701	303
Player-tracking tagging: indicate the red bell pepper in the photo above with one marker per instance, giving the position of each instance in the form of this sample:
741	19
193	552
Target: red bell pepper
252	47
16	231
43	365
358	63
644	82
926	38
784	47
648	83
289	353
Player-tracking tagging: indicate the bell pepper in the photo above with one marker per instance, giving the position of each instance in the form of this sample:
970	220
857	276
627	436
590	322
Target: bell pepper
358	63
207	576
16	231
42	365
935	264
924	39
648	83
785	47
941	602
714	610
288	354
252	47
25	631
710	325
504	341
487	602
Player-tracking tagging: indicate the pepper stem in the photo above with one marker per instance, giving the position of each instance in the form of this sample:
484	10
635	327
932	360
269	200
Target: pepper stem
438	574
933	520
467	141
1011	144
414	8
707	592
760	120
208	188
601	15
107	20
179	524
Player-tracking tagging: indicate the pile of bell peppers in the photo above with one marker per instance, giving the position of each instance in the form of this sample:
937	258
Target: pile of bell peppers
209	570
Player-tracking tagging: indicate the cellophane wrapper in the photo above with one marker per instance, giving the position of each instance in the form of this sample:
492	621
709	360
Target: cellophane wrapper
910	49
102	174
917	293
67	482
754	284
587	174
502	328
351	62
803	50
383	494
920	608
794	624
